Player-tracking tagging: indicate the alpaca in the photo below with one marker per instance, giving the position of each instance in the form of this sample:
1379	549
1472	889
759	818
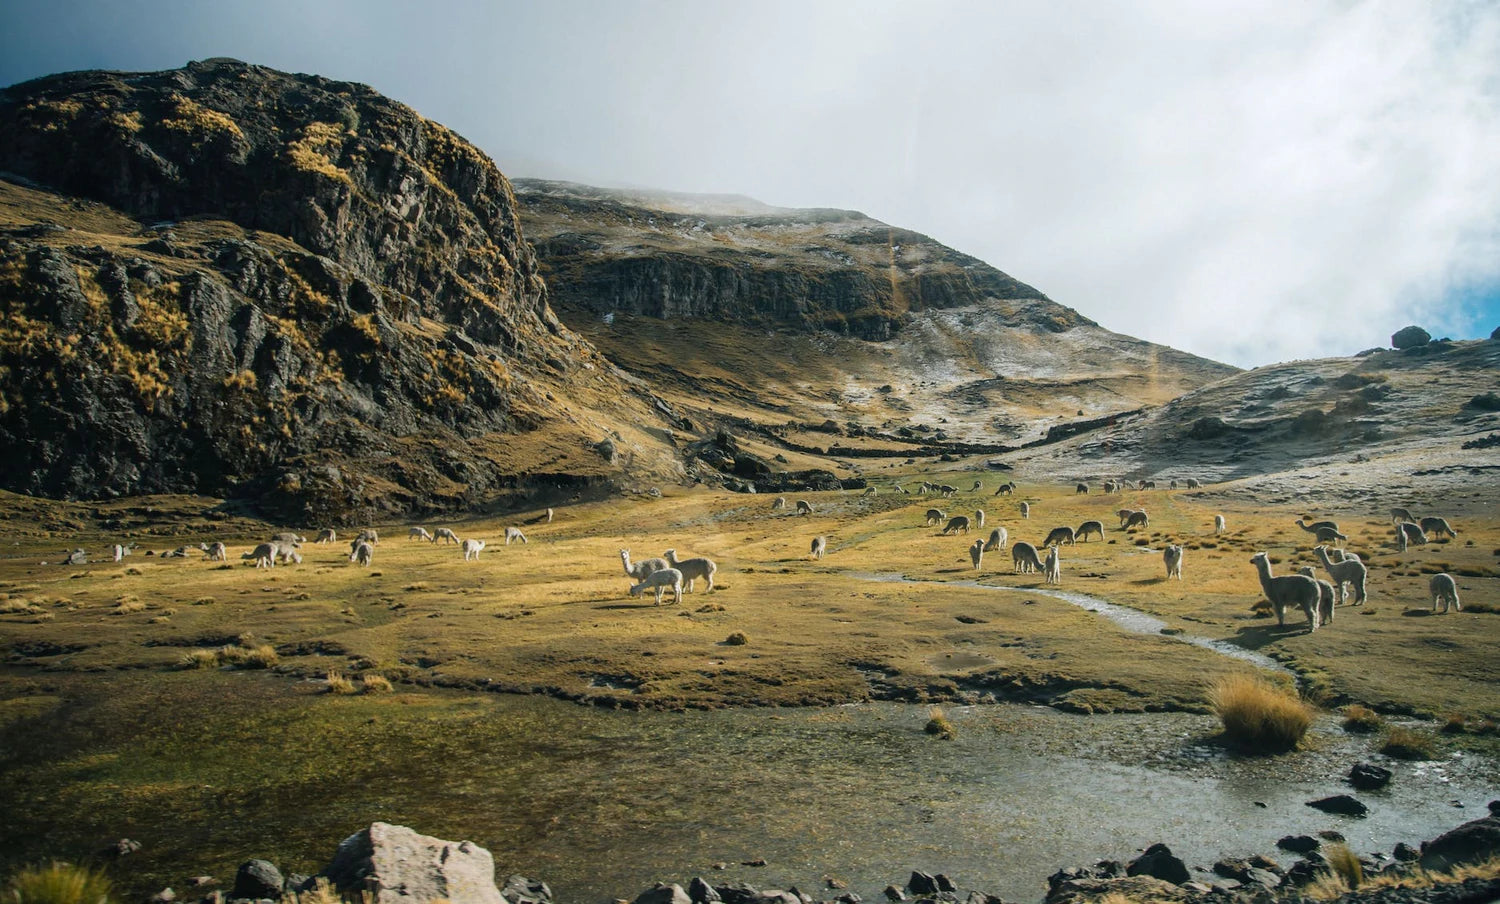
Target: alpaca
419	533
659	581
1326	595
936	516
362	553
997	540
472	549
958	524
803	508
976	553
1059	536
1314	527
1218	524
514	533
1349	571
1408	533
1089	527
1400	514
979	518
819	546
1172	557
1137	519
1445	589
692	569
446	535
639	570
1024	556
1081	490
1290	589
1025	510
1053	566
1438	527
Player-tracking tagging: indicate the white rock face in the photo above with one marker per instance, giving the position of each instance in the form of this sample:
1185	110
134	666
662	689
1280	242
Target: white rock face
398	866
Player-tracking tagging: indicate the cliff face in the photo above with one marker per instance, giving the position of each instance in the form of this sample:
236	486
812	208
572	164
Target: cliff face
668	256
288	287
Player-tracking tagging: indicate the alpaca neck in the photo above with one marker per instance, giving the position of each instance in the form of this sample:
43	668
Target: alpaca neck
1264	567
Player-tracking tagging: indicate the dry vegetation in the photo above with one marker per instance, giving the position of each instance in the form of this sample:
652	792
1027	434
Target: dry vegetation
1259	716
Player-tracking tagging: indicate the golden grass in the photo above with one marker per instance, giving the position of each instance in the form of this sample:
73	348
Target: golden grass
1361	719
1406	744
57	883
200	659
376	683
1259	716
339	684
939	724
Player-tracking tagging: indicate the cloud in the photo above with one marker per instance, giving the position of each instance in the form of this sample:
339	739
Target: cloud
1251	181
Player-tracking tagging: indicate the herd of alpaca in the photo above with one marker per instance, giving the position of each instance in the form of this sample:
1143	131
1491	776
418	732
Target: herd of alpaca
1318	599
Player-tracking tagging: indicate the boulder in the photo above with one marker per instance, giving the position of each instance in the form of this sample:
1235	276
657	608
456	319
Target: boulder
1369	777
701	892
892	893
1340	804
258	879
662	893
1410	337
521	890
1405	853
1159	862
396	865
1131	888
1298	844
922	883
1472	842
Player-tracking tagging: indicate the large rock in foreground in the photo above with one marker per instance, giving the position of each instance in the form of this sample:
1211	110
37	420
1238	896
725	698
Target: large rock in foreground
396	865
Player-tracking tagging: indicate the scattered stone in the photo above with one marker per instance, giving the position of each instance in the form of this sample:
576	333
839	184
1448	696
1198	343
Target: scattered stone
1339	804
1261	861
922	883
1132	888
521	890
257	879
1472	842
1257	876
945	884
835	884
892	893
849	898
1298	844
122	848
700	892
979	897
758	861
200	881
738	894
165	896
1306	871
399	866
1369	777
1405	853
1159	862
298	882
1331	835
661	893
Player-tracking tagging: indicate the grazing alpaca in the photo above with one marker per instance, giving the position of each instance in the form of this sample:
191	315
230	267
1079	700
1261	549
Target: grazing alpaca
1172	557
1024	556
1317	525
1444	588
803	508
1089	527
660	581
936	516
1408	533
1137	519
1349	571
1400	514
1081	490
1328	535
1124	514
363	553
1059	536
997	540
1437	527
419	533
514	533
1287	590
958	524
819	546
446	535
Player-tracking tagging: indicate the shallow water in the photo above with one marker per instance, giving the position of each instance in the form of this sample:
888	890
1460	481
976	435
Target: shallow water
600	804
1130	619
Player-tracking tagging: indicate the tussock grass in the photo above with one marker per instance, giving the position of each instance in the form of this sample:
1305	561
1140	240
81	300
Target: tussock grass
1344	864
57	883
1259	716
375	683
128	605
244	656
200	659
939	724
338	684
1420	878
737	639
1406	744
1361	719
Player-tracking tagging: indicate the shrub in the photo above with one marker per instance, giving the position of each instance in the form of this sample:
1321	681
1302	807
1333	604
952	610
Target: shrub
376	683
1405	744
128	605
57	883
1258	716
938	724
200	659
1345	864
1361	719
1454	723
737	639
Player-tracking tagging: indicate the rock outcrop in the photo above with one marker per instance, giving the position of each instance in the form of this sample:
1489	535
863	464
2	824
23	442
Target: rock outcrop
396	865
288	288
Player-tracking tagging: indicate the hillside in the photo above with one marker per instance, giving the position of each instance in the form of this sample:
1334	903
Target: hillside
810	315
229	280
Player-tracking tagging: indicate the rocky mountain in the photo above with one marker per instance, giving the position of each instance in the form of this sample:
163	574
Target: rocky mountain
720	301
231	280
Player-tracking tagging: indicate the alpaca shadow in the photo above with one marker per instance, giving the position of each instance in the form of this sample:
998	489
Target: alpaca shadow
644	604
952	570
1253	638
1419	613
1156	580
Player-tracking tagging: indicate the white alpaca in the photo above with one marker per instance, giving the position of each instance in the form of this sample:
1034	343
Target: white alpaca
778	503
997	539
979	518
1287	590
1053	566
1326	595
1218	524
472	548
327	535
659	581
639	570
446	535
419	533
514	533
217	552
363	553
1408	533
1444	588
1349	571
1025	510
1172	558
819	546
976	553
692	569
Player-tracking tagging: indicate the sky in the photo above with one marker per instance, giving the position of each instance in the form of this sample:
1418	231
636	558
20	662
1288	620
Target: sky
1249	181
